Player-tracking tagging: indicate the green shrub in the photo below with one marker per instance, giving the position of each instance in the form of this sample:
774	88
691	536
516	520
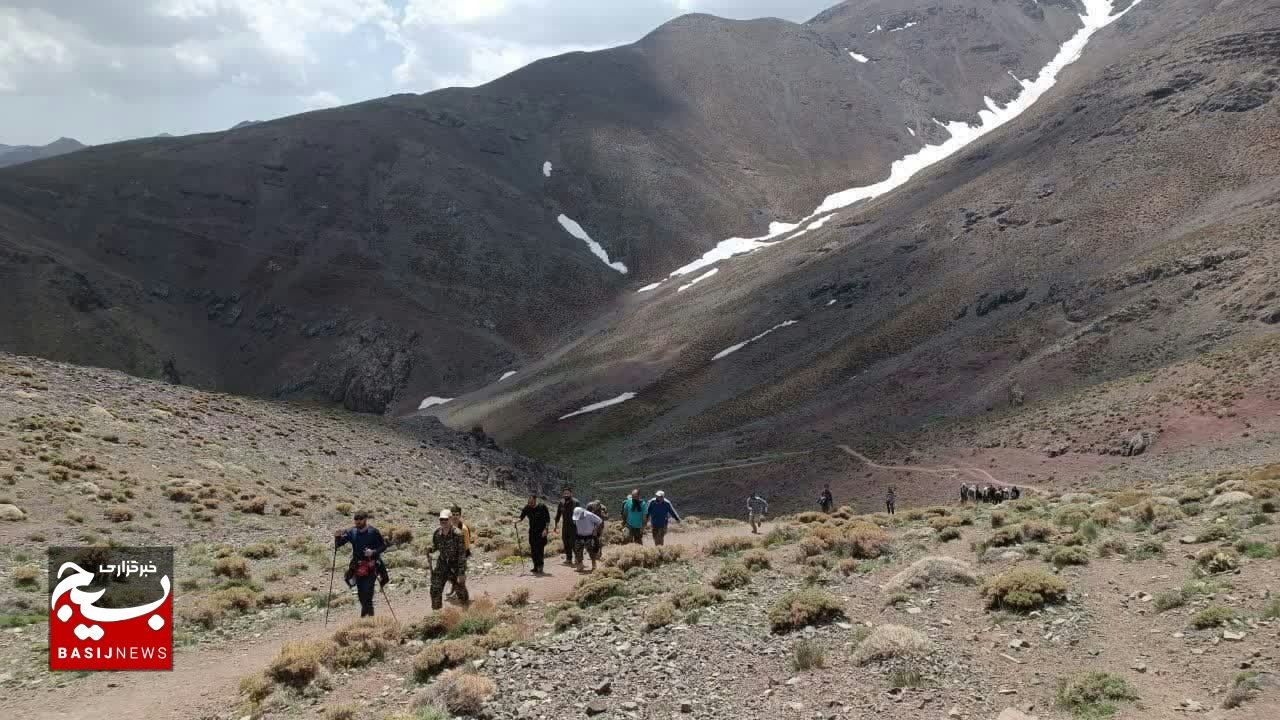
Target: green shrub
948	534
1112	546
1006	536
807	654
892	642
697	596
440	656
1169	600
1093	694
799	608
629	556
1023	590
756	559
1147	550
726	544
567	618
1213	616
1036	531
592	591
1245	687
1272	610
732	575
998	519
1256	549
659	615
1070	556
1217	560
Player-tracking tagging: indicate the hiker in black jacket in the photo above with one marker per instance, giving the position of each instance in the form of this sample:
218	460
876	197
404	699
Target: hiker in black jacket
826	501
564	518
539	518
366	566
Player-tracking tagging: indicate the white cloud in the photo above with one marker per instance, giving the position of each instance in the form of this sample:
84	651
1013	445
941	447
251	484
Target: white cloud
205	64
321	99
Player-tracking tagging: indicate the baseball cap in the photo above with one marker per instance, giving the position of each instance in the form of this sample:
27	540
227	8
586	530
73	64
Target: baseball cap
445	514
660	493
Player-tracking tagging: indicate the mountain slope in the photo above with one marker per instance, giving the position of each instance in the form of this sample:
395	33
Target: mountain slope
17	154
1060	261
423	245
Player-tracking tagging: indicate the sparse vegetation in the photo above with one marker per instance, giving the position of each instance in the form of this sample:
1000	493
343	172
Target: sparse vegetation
732	575
1213	616
889	642
806	655
626	557
725	544
519	597
933	570
756	559
799	608
1094	694
1023	590
462	693
1065	556
231	567
660	614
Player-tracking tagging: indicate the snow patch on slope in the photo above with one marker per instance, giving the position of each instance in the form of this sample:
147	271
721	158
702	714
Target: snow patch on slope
433	401
698	279
506	375
726	249
856	56
903	27
600	405
735	348
574	229
1097	16
546	169
911	130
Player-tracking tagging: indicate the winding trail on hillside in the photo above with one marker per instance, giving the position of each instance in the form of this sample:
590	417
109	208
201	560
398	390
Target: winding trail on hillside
205	680
701	469
971	471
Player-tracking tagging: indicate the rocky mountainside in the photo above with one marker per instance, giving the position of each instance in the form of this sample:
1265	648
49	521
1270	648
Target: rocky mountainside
1097	269
16	154
420	246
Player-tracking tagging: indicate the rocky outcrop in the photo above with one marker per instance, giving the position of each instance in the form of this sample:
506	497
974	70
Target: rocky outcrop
510	470
1134	444
991	301
366	370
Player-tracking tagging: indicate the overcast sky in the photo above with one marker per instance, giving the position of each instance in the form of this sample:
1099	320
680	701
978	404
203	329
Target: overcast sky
104	70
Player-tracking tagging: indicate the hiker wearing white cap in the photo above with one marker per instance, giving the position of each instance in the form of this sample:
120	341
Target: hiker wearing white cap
660	512
447	540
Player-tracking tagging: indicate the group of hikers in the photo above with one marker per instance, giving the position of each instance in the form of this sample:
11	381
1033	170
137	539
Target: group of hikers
451	540
581	531
989	493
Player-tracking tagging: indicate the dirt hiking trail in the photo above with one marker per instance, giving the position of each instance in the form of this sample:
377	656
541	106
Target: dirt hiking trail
205	680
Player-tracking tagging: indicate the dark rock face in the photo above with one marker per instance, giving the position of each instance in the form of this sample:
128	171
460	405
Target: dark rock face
431	213
365	372
990	301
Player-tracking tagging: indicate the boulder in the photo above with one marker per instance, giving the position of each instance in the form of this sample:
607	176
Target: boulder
12	513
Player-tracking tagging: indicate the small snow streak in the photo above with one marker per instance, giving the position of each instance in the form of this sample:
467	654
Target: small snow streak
433	401
856	56
506	375
911	130
600	405
903	27
574	229
650	286
546	169
735	348
698	279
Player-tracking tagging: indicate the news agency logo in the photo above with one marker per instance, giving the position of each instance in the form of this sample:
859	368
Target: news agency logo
111	608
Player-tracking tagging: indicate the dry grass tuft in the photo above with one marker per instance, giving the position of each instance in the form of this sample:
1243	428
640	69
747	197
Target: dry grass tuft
933	570
1024	590
889	642
462	693
799	608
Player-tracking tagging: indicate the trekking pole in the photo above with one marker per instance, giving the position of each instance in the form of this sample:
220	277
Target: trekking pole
332	572
383	588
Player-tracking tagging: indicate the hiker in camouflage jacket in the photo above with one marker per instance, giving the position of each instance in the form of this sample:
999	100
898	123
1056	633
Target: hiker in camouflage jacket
447	540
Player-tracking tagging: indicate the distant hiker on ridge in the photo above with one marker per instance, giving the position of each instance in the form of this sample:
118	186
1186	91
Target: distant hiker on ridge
660	511
366	567
826	501
539	518
564	517
756	509
447	540
635	513
890	501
